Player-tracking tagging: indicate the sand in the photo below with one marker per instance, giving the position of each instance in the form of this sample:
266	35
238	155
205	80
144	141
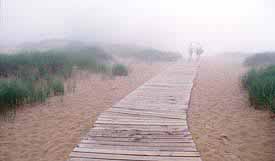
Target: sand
50	131
224	126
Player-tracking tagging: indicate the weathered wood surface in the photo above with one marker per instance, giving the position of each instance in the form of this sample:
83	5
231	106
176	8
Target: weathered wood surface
147	125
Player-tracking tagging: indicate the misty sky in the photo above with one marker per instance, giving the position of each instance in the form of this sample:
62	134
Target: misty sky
219	25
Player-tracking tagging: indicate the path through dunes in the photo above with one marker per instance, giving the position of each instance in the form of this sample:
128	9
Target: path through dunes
149	124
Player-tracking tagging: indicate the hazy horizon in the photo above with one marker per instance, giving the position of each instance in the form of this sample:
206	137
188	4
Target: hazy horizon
219	25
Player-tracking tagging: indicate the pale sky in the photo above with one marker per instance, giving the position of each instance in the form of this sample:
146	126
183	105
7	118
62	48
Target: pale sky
219	25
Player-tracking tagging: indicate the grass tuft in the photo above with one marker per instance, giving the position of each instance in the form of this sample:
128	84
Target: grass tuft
119	70
260	84
33	76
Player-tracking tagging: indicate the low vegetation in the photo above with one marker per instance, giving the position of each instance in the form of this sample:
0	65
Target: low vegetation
16	92
119	70
37	71
33	76
260	80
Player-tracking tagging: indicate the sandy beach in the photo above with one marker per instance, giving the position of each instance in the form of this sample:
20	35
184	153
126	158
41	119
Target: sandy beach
223	125
50	131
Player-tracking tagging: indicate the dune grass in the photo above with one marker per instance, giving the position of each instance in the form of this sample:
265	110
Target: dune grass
33	76
16	92
53	62
260	82
119	70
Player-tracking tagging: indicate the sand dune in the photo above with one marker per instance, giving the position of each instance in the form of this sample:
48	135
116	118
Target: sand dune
49	132
223	125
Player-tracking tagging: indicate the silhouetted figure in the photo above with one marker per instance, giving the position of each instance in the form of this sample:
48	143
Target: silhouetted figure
190	51
199	51
195	48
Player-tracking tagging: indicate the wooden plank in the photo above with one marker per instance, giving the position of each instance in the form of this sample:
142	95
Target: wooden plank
137	148
89	159
92	135
157	92
143	123
133	111
181	109
163	109
142	139
130	157
152	89
164	129
137	132
142	126
129	135
139	137
146	102
165	105
167	144
155	95
154	92
133	117
142	115
138	118
160	104
138	153
168	85
155	100
137	121
156	110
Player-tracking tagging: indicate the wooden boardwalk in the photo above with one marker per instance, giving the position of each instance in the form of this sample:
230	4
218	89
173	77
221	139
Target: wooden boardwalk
147	125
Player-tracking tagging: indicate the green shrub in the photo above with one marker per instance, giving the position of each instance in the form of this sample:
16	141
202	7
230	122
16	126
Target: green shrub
39	94
260	84
52	62
31	76
57	87
119	70
17	92
13	92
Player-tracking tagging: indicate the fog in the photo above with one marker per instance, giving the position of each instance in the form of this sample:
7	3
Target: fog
219	25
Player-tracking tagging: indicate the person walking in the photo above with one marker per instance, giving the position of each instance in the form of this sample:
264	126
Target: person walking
199	51
190	51
195	48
